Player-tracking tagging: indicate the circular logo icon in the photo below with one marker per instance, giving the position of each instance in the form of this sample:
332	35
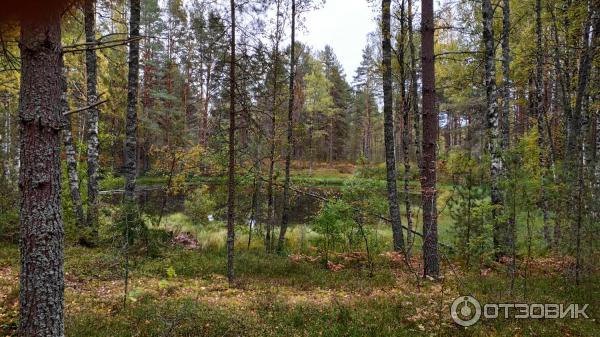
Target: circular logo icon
465	310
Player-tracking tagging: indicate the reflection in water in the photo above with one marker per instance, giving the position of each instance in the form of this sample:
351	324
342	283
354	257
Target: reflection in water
303	207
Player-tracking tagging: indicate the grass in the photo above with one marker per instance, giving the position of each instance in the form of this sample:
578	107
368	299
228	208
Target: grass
176	291
276	296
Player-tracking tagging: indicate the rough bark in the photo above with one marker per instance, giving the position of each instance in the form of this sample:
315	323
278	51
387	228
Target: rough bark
41	294
431	263
92	97
231	176
493	136
130	167
388	128
405	130
290	139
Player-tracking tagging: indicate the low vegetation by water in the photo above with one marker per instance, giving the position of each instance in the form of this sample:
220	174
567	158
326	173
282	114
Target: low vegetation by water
181	291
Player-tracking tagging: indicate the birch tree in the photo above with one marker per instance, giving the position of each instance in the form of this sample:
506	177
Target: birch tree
89	12
493	131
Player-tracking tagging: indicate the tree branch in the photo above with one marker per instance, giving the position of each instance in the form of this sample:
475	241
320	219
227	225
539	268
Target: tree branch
85	108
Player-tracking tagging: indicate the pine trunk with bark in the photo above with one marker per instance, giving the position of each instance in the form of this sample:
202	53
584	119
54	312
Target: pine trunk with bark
431	263
290	139
405	130
92	97
388	128
41	291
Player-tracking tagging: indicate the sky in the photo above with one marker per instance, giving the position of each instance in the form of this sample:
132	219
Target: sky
344	25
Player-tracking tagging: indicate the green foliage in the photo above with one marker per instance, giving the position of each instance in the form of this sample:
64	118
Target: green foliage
199	204
470	208
130	224
9	212
365	195
336	224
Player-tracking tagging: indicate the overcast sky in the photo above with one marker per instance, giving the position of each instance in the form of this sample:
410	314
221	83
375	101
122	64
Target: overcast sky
344	25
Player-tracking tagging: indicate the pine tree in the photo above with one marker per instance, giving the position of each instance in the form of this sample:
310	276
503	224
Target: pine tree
431	263
41	290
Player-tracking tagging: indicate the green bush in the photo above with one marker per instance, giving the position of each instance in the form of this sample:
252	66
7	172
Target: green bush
336	225
199	205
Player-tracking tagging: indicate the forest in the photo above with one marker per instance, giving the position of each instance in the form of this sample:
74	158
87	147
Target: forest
201	168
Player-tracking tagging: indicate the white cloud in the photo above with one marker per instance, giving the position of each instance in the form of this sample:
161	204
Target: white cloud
344	25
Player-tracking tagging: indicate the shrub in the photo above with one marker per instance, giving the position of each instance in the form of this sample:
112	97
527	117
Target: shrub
199	205
335	223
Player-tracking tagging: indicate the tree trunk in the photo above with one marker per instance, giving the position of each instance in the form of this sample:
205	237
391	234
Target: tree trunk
540	118
330	150
405	136
596	187
505	127
367	122
505	123
289	145
231	176
431	263
311	158
414	94
41	294
71	159
581	95
130	167
270	195
6	141
388	128
130	149
92	97
494	143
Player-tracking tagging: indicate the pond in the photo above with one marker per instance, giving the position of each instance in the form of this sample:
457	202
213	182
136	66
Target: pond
303	205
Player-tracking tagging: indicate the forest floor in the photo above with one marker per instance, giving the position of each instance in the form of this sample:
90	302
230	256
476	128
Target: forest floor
178	291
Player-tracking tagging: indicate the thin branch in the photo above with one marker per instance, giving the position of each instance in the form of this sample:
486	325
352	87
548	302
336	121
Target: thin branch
85	108
99	45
